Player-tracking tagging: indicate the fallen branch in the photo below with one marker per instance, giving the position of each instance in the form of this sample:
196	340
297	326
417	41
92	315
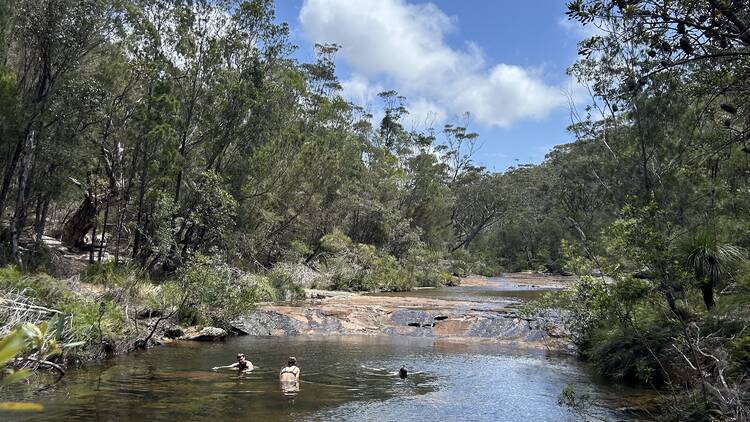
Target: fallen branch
12	304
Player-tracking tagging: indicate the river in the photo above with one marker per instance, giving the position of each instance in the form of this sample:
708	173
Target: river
343	378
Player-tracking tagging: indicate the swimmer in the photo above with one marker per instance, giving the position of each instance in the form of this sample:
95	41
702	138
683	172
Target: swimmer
403	373
242	364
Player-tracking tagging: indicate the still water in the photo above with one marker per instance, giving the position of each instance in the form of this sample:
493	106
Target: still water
497	291
343	378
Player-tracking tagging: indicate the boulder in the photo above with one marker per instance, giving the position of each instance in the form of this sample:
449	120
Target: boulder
208	334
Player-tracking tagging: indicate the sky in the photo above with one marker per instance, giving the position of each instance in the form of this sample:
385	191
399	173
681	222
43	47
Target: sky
501	61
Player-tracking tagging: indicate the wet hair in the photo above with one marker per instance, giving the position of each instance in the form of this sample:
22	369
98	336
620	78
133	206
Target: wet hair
240	355
403	373
291	361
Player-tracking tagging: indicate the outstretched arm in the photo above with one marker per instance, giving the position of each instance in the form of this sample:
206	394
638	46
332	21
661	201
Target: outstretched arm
232	366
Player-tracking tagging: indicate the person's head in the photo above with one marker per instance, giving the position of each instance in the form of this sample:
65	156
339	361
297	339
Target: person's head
240	357
292	361
403	373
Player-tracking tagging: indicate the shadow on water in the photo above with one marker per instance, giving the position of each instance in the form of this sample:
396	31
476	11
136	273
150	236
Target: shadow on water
343	378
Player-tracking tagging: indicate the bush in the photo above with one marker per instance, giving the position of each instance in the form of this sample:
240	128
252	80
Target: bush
428	268
385	273
335	242
109	274
287	281
216	293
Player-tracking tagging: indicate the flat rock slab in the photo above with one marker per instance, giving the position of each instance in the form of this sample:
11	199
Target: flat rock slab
267	323
206	334
393	315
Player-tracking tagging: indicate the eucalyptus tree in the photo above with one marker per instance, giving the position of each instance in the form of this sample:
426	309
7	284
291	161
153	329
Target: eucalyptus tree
52	39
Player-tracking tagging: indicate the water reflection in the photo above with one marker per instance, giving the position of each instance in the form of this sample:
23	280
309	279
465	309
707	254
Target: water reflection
290	388
345	378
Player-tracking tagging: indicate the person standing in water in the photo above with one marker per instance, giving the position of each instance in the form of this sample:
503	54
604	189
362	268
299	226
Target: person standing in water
242	365
290	372
289	377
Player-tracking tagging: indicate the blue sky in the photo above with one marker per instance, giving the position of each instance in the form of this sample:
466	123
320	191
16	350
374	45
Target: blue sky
502	61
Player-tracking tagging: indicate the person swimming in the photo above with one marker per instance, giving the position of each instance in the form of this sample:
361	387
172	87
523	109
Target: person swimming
242	364
403	373
290	372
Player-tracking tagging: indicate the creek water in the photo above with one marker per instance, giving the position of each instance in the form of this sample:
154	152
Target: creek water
498	291
343	378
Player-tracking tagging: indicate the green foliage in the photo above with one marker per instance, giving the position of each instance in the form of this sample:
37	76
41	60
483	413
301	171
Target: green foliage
109	274
284	282
428	268
213	293
335	242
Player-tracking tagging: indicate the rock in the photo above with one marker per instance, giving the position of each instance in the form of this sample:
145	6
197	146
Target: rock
411	317
499	328
266	323
208	334
320	321
174	332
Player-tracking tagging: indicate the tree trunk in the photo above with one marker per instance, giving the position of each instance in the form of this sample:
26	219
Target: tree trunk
19	216
708	294
8	175
104	232
141	194
80	223
120	218
41	218
93	238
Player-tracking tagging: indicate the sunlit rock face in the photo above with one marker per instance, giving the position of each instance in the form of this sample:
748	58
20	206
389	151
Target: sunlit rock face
405	316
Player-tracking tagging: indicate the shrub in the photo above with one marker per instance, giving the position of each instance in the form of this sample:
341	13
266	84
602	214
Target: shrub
216	293
287	281
109	274
428	268
335	242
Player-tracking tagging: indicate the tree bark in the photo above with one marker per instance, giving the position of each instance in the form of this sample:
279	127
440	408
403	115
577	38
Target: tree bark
10	170
19	216
80	223
104	232
41	218
707	289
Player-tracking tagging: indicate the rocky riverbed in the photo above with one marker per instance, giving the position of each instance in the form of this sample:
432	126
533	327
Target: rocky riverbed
473	320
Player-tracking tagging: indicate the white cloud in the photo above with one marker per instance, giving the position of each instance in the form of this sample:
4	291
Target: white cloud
360	90
424	114
580	30
402	46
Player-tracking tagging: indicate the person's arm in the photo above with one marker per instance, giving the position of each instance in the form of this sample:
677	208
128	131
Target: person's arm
297	373
234	365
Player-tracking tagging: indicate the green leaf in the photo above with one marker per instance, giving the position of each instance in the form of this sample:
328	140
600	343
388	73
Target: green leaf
15	377
11	345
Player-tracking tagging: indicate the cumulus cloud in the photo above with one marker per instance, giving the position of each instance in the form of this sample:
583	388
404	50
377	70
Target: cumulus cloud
402	46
